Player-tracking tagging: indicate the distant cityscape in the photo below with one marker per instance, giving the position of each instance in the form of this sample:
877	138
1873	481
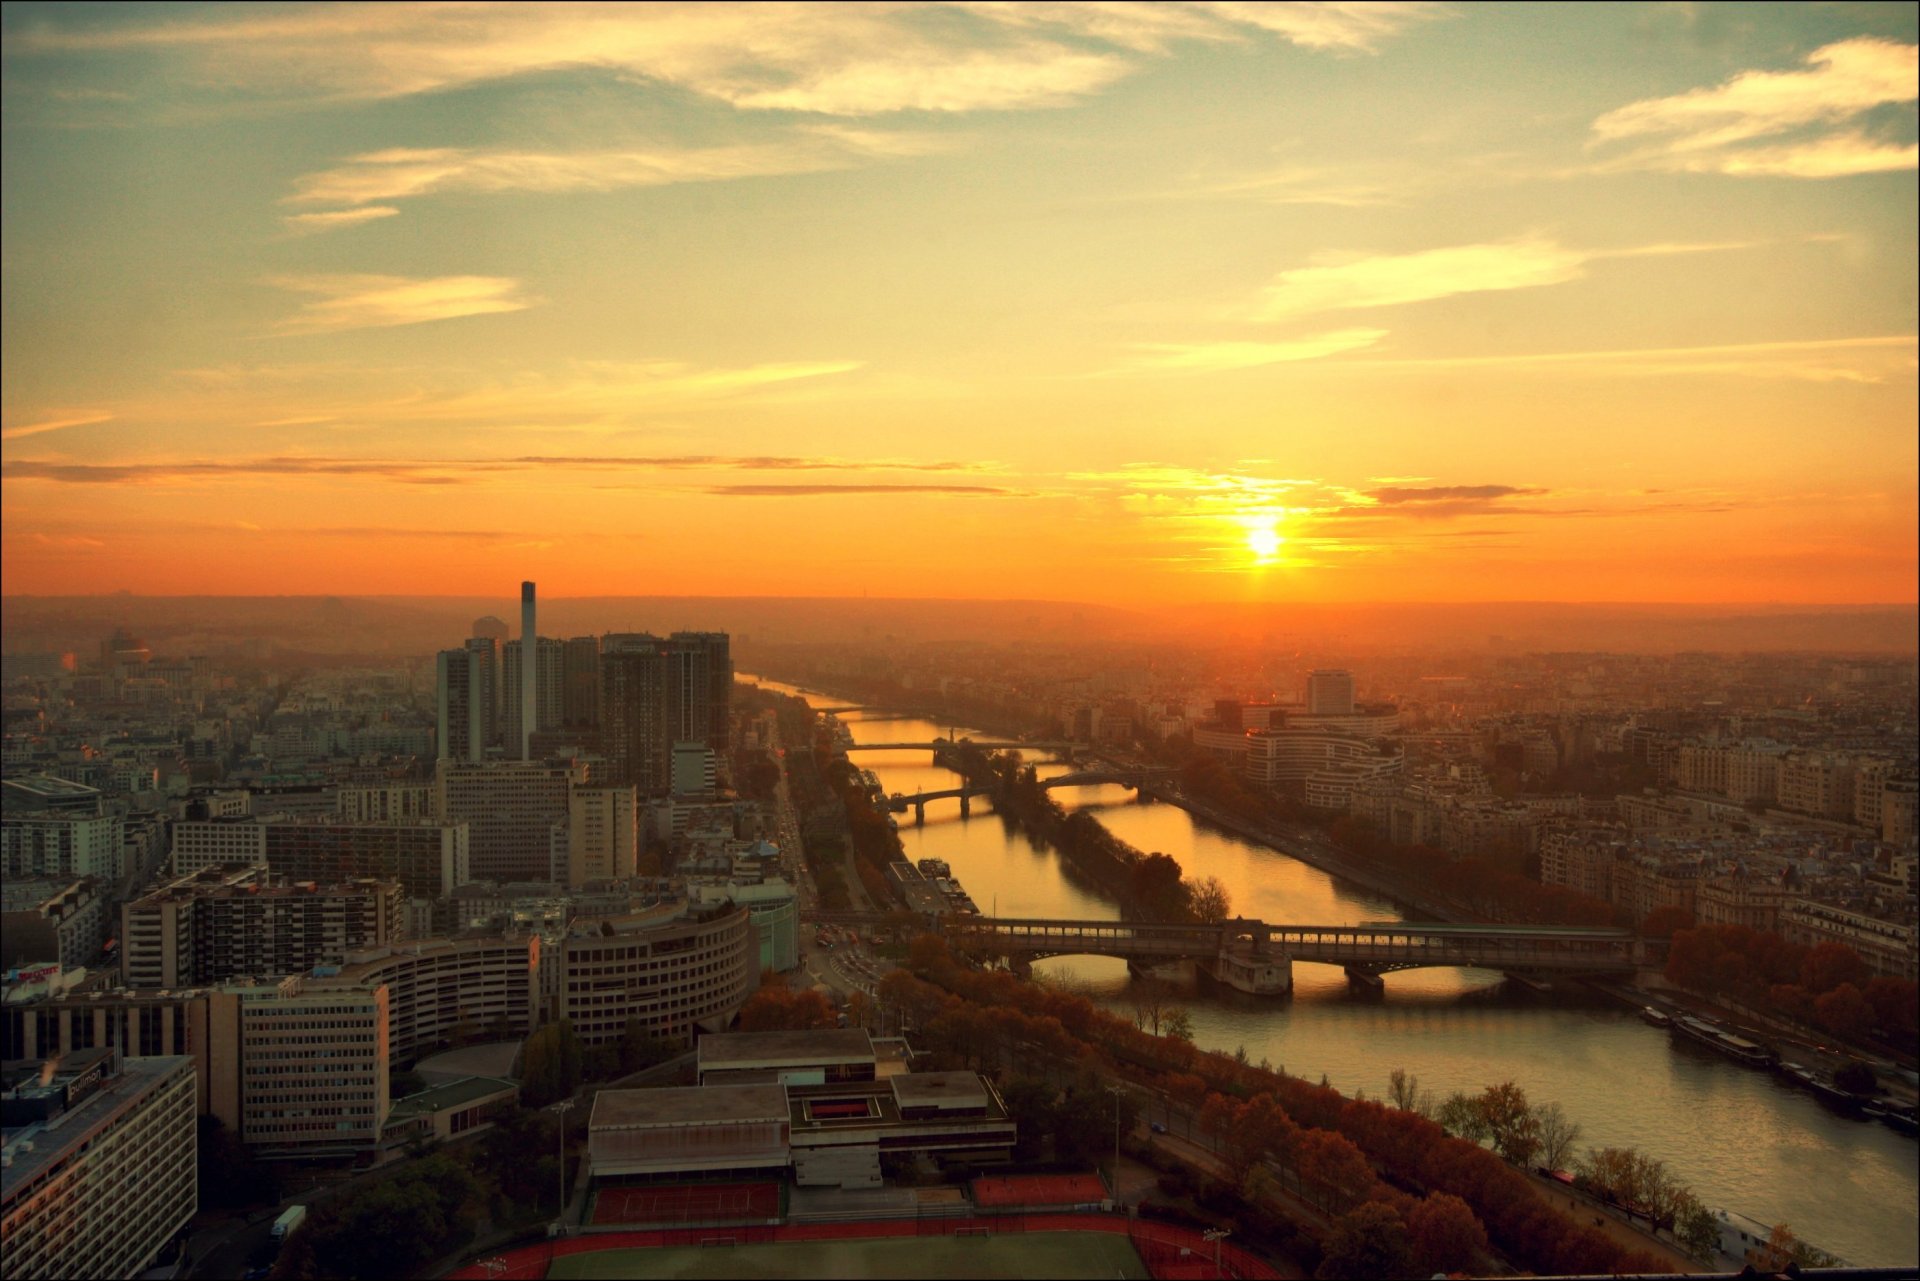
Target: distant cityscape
331	920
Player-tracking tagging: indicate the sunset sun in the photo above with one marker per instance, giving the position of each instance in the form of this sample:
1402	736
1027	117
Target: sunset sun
1263	540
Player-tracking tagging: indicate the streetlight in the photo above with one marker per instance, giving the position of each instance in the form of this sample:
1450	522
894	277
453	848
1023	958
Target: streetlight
1116	1091
560	1111
1216	1235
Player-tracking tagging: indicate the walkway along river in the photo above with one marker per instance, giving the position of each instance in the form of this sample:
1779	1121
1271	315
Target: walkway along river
1739	1139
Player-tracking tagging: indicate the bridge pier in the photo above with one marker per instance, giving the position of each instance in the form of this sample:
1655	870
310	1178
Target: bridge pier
966	804
1359	976
1256	975
919	813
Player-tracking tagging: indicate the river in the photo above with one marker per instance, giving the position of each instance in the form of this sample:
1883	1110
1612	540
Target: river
1738	1138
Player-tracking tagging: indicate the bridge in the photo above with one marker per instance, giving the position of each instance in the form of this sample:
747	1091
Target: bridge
943	744
900	802
1254	956
1135	777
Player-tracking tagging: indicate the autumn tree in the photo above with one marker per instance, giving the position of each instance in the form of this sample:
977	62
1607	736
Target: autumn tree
1446	1235
1509	1122
1845	1012
1336	1169
1557	1133
1211	900
1369	1241
780	1009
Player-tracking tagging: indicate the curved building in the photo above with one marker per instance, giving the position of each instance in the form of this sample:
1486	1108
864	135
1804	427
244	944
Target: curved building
675	968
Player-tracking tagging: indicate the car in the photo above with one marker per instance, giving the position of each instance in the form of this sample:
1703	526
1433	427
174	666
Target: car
1156	1127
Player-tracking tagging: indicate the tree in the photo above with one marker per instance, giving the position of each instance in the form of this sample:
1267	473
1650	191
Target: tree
1333	1165
1661	922
1178	1024
1856	1077
1557	1134
1845	1013
1828	965
1446	1235
1697	1229
780	1009
1369	1241
1462	1117
1212	901
1402	1090
1509	1122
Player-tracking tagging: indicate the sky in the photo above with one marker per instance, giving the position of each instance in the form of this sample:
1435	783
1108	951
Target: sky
1131	304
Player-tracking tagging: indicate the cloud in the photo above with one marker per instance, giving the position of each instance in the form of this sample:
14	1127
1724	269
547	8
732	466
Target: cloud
400	173
1394	494
457	470
1392	279
1216	356
376	302
834	59
1866	360
313	222
817	491
57	424
1745	125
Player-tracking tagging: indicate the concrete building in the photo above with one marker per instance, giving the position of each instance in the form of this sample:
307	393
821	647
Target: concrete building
676	968
61	843
57	920
98	1172
223	923
775	911
657	692
549	688
311	1066
603	834
429	858
467	695
580	683
1817	783
510	809
385	803
1755	902
485	985
1330	692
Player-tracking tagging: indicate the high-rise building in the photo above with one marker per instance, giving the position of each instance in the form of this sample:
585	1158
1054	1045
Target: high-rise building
467	685
718	650
428	857
602	834
509	808
580	682
549	688
100	1168
312	1065
524	692
655	693
61	843
1330	692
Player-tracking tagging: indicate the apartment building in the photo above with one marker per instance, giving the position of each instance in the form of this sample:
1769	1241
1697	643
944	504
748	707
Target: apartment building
676	968
310	1076
98	1171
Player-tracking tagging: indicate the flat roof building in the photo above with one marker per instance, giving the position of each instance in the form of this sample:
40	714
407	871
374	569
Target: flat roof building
99	1165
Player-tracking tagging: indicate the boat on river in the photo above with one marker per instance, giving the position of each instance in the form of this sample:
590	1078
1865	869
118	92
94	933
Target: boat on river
1658	1018
1714	1037
1895	1116
1826	1091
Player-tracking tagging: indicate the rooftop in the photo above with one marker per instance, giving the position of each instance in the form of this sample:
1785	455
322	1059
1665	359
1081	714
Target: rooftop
939	1090
834	1045
31	1149
453	1094
644	1109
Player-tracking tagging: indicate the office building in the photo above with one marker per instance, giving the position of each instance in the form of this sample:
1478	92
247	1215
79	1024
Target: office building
676	967
312	1065
99	1168
428	858
580	682
510	810
602	835
549	690
1330	692
467	690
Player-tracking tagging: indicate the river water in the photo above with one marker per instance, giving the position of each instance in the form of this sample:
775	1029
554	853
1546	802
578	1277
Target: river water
1739	1139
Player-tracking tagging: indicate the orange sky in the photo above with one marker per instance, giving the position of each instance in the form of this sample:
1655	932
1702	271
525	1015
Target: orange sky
1410	302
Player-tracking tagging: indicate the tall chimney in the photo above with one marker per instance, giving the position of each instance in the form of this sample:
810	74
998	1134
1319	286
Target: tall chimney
529	657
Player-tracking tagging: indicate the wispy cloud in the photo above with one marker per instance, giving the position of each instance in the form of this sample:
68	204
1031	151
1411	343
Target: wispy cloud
1783	123
1392	279
375	302
1874	359
834	59
456	470
55	424
308	223
818	491
1213	357
1395	494
402	172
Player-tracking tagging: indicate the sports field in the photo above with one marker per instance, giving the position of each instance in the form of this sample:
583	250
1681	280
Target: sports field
1030	1254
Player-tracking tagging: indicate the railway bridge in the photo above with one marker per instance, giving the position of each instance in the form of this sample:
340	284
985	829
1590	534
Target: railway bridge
1257	957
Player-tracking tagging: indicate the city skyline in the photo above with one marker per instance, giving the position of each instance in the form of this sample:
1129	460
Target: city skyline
1312	303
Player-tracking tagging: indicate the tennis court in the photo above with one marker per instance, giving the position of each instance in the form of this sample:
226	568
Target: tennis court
1032	1254
686	1203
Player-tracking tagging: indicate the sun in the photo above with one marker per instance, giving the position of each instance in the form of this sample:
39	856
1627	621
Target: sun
1264	542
